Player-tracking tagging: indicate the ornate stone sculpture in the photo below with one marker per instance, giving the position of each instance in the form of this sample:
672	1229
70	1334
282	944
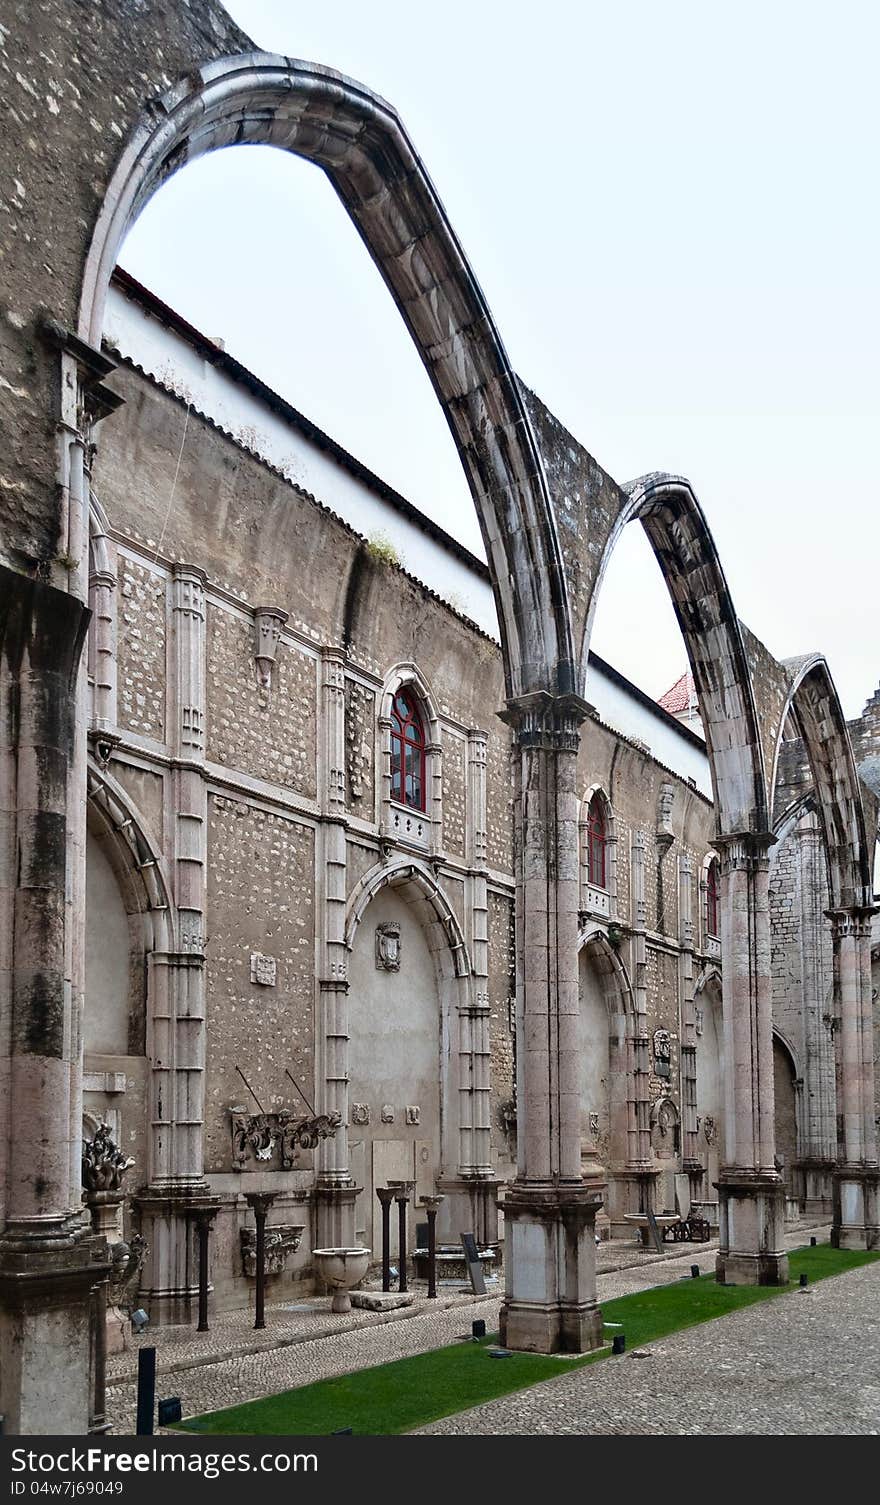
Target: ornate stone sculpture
282	1239
710	1129
103	1163
662	1052
388	946
259	1134
268	622
360	1113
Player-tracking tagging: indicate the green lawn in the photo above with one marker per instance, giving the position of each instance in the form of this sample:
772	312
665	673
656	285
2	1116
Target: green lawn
409	1393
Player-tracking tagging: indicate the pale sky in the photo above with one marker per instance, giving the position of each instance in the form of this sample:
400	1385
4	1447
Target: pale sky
672	210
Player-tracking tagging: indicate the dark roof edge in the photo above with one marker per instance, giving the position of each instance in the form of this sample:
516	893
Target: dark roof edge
644	699
207	348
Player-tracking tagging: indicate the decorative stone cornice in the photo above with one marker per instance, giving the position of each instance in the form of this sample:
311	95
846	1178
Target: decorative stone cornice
747	851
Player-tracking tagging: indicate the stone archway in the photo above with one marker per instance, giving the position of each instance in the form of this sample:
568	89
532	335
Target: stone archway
813	709
609	1113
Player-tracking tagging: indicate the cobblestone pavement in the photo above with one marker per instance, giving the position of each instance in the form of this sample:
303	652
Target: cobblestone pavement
232	1363
806	1363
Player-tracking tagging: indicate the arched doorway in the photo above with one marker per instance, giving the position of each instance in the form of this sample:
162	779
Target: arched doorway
786	1082
605	1077
710	1087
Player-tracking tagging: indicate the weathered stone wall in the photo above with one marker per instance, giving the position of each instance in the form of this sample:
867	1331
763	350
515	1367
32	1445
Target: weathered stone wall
75	79
502	987
454	755
261	899
360	748
270	734
141	650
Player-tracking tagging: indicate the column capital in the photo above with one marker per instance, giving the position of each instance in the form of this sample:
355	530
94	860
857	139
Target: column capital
743	850
855	921
547	721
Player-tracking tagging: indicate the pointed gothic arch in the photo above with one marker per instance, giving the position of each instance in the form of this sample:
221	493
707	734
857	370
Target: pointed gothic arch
361	144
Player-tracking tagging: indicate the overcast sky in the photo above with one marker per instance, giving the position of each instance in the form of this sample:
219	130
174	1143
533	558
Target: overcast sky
672	210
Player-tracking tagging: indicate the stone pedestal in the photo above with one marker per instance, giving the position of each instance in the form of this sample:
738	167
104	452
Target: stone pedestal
45	1324
856	1215
550	1259
751	1222
470	1205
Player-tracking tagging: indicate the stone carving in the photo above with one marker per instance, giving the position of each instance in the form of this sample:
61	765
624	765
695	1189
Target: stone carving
710	1129
664	1129
103	1163
264	969
662	1052
281	1240
664	833
128	1261
594	1124
698	1020
413	1115
260	1134
388	946
387	1114
268	622
360	1113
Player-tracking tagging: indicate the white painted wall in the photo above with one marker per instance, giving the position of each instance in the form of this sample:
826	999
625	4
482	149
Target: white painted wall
105	1022
171	360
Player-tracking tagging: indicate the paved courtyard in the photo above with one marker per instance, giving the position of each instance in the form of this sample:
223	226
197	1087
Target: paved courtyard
689	1383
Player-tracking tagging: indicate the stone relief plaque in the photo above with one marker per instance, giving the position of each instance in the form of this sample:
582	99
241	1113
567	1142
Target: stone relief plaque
413	1115
387	1114
388	946
360	1113
264	970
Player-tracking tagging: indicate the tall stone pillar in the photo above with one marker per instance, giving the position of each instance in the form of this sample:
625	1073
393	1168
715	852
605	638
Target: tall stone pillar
750	1188
855	1181
818	1147
550	1209
49	1261
641	1064
690	1157
470	1191
335	1192
176	1023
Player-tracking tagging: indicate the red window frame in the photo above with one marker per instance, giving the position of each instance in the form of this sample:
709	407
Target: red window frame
597	843
408	783
712	899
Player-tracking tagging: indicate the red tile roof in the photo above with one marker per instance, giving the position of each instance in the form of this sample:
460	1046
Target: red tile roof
681	697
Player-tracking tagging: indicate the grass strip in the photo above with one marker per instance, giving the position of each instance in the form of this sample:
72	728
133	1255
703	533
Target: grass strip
408	1393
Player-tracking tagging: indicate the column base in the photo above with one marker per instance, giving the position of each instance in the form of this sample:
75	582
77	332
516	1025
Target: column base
550	1262
856	1214
334	1214
45	1336
169	1286
470	1205
751	1221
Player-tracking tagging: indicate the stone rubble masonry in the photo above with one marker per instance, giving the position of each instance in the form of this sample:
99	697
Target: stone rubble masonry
270	734
141	665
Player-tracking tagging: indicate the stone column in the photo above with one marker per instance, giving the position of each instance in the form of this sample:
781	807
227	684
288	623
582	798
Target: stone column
750	1188
550	1209
855	1217
819	1136
176	1023
335	1191
690	1156
641	1063
49	1261
102	595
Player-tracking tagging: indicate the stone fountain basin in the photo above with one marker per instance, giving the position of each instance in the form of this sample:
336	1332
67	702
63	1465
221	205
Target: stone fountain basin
341	1269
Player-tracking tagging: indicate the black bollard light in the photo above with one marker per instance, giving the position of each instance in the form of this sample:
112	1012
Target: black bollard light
618	1343
813	1241
804	1280
478	1328
695	1270
146	1392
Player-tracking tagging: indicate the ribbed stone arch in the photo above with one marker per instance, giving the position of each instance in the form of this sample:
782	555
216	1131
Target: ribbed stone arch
134	857
361	144
815	709
678	532
420	890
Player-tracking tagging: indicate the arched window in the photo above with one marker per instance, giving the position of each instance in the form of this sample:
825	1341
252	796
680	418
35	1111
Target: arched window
597	843
712	899
407	752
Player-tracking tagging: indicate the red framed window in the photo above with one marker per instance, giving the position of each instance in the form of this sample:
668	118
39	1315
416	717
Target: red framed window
597	843
407	751
712	899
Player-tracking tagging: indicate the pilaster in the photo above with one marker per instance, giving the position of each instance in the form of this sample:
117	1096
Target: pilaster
855	1219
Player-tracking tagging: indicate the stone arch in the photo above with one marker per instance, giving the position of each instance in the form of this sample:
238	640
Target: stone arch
685	550
462	1028
134	856
814	707
787	1082
362	146
613	1142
